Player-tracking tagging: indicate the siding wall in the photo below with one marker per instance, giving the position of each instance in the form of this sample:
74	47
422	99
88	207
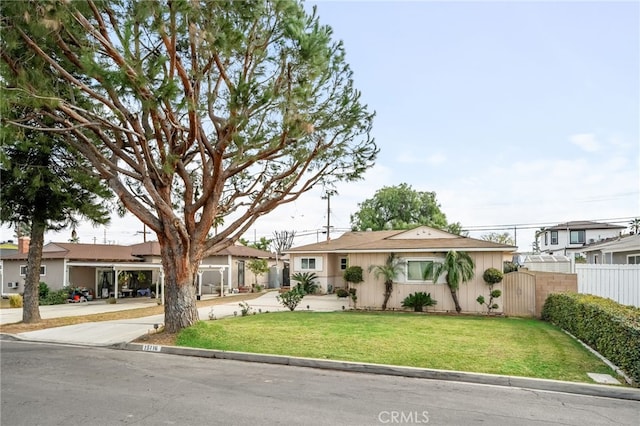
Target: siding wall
618	282
371	292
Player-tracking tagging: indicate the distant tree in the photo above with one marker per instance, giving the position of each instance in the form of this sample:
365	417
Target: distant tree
197	112
258	267
262	244
400	207
47	186
458	268
501	238
389	272
282	241
634	226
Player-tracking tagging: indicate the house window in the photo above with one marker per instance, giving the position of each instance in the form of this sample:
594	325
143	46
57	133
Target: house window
576	237
23	270
343	263
633	259
416	268
241	273
554	238
546	238
308	263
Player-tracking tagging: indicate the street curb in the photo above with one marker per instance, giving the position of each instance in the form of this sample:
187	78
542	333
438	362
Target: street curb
393	370
15	338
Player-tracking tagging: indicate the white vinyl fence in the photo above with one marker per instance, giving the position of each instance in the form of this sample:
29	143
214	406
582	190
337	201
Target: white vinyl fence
618	282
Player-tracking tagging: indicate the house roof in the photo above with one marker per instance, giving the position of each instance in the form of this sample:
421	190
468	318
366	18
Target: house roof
119	253
416	240
83	252
614	245
582	224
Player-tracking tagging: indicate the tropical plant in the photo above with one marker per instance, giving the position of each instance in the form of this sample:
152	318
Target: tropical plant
491	276
458	268
634	226
418	300
290	299
389	272
306	282
192	112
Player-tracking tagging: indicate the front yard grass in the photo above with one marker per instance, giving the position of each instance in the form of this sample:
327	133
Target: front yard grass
507	346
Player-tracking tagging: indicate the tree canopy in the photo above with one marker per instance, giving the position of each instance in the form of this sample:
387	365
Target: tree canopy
194	113
401	207
497	237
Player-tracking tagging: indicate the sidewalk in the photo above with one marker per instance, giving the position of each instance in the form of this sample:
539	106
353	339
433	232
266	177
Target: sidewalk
108	333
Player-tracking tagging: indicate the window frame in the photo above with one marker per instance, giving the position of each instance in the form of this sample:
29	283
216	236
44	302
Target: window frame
407	261
635	257
344	263
578	233
554	238
23	270
308	261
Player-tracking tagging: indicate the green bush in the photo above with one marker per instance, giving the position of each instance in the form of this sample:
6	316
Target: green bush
353	274
492	276
418	300
342	292
290	299
15	301
43	290
509	267
608	327
55	298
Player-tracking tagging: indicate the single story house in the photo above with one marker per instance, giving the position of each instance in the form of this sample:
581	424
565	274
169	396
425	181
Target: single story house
621	250
120	271
329	259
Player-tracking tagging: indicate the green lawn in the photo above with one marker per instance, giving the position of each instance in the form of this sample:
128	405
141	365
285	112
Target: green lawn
509	346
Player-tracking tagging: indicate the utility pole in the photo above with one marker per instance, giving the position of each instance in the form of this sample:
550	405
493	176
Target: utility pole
328	216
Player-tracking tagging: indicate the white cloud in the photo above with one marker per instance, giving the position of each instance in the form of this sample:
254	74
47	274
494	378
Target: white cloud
586	141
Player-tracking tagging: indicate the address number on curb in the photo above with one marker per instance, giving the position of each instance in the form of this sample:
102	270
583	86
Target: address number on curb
151	348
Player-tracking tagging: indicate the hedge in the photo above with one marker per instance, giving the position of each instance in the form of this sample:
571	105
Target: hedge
608	327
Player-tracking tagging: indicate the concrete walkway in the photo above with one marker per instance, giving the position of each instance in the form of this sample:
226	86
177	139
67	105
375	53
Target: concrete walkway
108	333
120	333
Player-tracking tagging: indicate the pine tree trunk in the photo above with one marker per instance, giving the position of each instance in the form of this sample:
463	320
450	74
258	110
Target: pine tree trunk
454	296
180	309
31	303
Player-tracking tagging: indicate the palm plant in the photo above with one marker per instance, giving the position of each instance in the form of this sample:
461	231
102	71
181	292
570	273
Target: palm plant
306	281
458	267
418	300
389	271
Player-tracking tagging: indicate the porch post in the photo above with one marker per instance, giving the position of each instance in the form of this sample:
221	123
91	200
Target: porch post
229	273
199	283
115	285
162	285
221	270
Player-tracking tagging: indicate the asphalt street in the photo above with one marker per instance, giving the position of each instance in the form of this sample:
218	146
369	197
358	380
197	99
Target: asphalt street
46	384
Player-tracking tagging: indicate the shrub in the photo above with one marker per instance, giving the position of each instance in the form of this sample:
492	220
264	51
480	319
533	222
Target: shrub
306	282
15	301
342	292
492	276
509	267
608	327
55	298
245	309
290	299
418	300
43	290
353	274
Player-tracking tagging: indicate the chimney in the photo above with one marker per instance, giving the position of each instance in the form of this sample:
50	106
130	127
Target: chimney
23	245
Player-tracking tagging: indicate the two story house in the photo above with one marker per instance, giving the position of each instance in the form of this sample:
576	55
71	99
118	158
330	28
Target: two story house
570	238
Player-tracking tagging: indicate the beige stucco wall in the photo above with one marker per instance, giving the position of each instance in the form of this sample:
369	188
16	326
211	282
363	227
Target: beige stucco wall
371	292
552	282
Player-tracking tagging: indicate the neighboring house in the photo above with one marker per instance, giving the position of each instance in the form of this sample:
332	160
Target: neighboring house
622	250
415	247
6	249
570	238
117	270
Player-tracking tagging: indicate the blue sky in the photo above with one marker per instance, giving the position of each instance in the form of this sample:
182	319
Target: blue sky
512	112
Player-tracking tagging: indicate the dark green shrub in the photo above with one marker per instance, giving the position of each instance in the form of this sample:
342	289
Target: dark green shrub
43	290
306	282
509	267
418	300
58	297
608	327
492	276
290	299
353	274
342	292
